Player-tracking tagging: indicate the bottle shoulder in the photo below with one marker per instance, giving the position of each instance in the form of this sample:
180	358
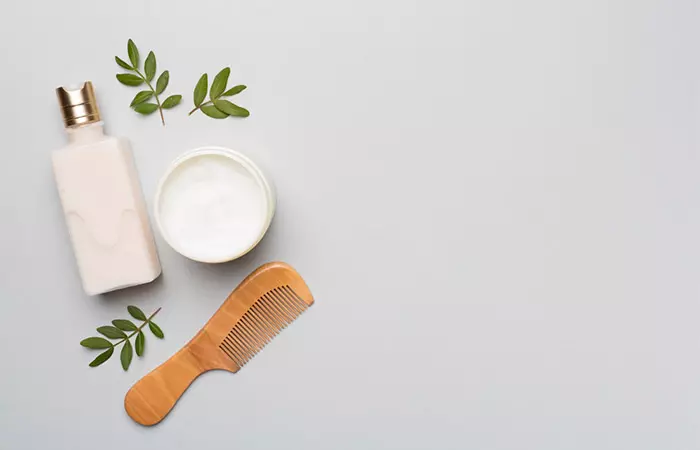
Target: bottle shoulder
104	144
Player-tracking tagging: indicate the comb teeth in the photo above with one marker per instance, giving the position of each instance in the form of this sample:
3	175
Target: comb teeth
270	314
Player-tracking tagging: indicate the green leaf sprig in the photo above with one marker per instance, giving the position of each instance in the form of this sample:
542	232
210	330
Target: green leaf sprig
117	331
141	103
217	107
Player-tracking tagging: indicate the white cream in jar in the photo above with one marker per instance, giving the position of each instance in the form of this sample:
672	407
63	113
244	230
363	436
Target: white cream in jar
214	205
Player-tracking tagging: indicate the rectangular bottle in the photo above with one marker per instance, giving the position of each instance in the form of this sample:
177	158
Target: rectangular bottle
102	200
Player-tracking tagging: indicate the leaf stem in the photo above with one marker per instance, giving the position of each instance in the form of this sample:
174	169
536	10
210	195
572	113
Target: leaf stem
198	107
148	320
160	108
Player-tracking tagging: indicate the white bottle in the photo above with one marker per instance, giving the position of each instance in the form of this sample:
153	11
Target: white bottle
102	200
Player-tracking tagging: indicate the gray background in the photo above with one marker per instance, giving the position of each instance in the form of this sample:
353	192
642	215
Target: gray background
494	202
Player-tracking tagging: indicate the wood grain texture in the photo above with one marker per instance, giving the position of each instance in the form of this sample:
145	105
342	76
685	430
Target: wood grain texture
262	305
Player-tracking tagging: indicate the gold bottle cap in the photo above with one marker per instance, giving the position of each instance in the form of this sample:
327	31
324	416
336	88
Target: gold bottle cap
78	106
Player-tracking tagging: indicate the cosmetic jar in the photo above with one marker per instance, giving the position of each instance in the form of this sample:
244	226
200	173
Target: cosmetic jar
213	205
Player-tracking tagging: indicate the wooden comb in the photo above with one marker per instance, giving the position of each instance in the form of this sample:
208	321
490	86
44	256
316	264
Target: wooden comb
260	307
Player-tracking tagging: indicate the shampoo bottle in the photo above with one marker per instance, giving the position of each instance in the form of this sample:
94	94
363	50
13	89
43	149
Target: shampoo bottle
102	201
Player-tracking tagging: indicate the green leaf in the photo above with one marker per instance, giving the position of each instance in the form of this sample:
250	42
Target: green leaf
126	355
129	79
140	98
219	84
211	111
155	329
102	357
229	108
140	343
111	332
95	343
123	63
162	82
146	108
234	90
172	101
200	91
150	66
133	53
136	313
123	324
